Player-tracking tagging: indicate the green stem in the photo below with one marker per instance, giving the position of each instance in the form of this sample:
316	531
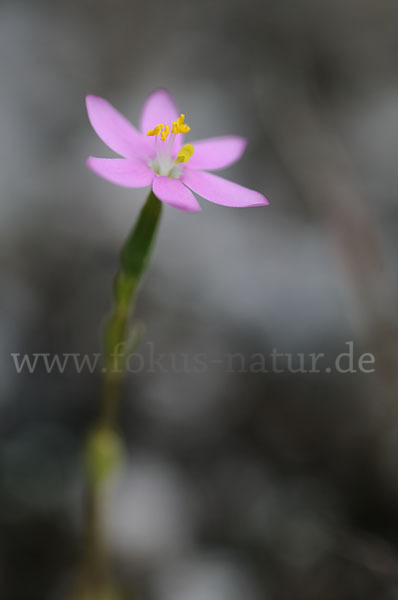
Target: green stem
103	444
134	261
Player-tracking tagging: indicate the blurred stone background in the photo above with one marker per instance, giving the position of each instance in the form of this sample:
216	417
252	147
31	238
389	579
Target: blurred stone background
239	486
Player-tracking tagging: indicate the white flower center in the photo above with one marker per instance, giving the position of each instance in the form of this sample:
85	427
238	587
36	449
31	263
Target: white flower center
164	164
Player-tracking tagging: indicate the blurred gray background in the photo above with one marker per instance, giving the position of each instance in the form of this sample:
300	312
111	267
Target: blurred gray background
239	486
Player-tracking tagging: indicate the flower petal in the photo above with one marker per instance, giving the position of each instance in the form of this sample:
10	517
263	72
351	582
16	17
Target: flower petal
127	172
173	192
158	108
221	191
115	130
217	153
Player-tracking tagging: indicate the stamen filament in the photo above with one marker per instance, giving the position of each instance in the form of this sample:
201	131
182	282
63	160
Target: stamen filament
164	164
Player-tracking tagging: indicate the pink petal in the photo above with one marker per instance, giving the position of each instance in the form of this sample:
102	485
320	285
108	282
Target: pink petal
158	108
217	153
173	192
127	172
115	130
221	191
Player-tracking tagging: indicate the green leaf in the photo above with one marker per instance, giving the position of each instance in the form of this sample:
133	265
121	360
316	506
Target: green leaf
136	251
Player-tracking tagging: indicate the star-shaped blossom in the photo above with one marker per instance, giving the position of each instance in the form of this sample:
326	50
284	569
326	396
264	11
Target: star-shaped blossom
156	155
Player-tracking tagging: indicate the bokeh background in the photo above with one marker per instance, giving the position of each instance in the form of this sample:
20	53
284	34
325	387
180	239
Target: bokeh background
238	486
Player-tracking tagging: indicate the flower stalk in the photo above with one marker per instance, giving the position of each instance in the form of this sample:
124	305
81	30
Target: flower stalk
103	450
119	335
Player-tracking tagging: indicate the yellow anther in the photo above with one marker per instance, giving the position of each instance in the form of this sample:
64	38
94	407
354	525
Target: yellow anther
155	131
165	132
185	154
179	126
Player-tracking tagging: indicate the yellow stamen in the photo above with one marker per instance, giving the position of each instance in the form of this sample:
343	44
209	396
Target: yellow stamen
185	154
179	126
165	132
156	131
182	127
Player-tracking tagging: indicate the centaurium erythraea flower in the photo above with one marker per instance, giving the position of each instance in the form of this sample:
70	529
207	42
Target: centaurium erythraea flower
156	155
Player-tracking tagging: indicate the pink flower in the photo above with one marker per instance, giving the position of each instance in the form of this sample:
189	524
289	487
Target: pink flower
156	155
